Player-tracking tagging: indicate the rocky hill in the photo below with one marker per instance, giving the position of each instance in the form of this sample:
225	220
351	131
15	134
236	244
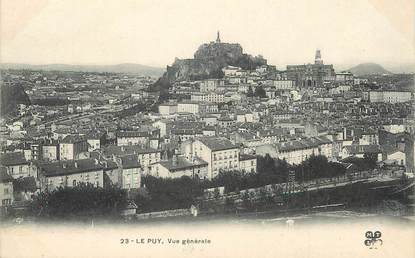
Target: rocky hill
11	97
368	69
208	61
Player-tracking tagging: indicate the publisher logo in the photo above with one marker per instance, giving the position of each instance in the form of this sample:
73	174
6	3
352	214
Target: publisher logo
373	240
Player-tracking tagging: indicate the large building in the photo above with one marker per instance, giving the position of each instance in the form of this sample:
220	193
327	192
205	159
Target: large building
388	96
144	137
295	152
71	146
208	97
15	164
218	152
311	75
179	166
70	173
147	157
188	107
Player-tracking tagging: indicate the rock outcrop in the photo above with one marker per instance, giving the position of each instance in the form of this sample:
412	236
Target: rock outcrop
208	61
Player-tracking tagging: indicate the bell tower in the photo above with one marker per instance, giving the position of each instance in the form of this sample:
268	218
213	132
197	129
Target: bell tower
318	59
218	37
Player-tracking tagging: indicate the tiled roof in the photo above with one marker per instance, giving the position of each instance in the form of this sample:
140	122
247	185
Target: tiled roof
182	163
12	159
217	143
134	134
68	167
360	149
126	150
73	139
246	157
306	143
129	161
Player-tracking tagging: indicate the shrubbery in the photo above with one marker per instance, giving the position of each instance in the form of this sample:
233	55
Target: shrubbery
84	200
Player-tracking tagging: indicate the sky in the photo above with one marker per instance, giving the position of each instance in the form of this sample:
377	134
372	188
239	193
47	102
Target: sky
153	32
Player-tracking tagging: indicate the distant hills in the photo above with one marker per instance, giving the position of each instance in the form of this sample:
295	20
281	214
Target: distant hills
129	68
368	69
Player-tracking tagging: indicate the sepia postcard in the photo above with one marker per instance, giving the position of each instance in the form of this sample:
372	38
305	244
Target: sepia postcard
221	128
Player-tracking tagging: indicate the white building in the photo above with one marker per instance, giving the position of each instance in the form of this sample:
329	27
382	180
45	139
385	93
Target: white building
247	163
16	164
210	85
179	166
71	146
208	97
295	152
389	96
218	152
231	70
283	84
167	109
188	107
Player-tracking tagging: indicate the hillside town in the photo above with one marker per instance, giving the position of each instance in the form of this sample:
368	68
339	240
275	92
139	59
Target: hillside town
114	129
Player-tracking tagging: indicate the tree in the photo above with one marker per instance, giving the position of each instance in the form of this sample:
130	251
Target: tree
81	201
167	193
260	92
250	92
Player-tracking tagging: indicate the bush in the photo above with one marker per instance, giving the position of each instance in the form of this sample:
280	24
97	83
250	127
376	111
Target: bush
84	200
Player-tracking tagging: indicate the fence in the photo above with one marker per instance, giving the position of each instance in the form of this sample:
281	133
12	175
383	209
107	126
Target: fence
164	214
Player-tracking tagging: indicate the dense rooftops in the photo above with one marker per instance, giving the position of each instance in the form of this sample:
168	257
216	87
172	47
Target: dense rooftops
305	143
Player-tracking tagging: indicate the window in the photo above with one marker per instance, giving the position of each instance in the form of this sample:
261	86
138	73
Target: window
6	190
6	202
74	183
